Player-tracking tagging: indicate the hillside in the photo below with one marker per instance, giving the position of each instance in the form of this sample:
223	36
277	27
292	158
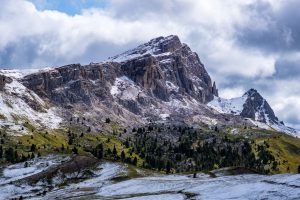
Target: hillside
154	106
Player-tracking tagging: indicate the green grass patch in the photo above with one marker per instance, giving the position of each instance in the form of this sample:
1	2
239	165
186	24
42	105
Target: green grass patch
286	150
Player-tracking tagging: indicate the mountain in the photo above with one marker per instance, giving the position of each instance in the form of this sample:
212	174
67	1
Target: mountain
253	107
63	130
161	80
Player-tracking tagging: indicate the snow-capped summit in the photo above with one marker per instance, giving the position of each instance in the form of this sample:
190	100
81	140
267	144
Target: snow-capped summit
157	46
253	107
256	107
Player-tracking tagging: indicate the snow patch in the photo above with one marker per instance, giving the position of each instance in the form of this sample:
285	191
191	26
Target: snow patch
16	110
228	106
124	88
164	116
151	48
20	73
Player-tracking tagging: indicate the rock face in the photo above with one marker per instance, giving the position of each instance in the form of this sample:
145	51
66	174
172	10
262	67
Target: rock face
257	108
164	66
161	71
73	83
3	81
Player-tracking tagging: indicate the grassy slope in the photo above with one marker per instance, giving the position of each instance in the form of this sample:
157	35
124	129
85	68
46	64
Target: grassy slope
51	141
285	148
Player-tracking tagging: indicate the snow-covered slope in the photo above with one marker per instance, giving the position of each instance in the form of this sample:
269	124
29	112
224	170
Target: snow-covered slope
154	187
153	48
228	106
253	107
19	105
125	88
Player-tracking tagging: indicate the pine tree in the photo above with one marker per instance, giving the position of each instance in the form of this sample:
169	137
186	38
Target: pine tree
98	152
1	152
115	150
75	150
23	158
122	155
88	130
126	143
33	148
70	142
168	167
62	147
9	155
134	161
195	175
16	156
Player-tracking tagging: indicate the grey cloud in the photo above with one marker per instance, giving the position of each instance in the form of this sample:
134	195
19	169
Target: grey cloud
99	51
19	54
281	31
287	69
26	53
134	9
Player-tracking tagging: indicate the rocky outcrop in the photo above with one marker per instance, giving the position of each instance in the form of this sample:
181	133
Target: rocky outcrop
257	108
73	83
3	81
165	66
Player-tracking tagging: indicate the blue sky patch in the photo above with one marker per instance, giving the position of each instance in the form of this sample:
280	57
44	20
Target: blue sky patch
70	7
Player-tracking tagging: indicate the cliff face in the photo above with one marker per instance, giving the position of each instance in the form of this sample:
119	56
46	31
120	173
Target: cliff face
165	67
161	70
73	83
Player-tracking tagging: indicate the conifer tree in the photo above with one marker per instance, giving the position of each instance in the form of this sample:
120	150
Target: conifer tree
122	155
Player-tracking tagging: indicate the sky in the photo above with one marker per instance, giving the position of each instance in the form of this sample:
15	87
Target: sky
243	43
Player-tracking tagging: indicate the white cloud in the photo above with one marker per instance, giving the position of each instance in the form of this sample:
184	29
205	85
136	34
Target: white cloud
208	26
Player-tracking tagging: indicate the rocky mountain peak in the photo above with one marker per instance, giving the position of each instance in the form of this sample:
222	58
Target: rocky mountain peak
256	107
164	44
164	66
252	93
156	46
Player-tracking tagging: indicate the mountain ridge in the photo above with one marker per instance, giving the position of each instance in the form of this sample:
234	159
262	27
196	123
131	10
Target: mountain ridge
162	79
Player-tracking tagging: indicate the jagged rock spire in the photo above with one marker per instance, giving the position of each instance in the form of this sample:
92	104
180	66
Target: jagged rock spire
256	107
